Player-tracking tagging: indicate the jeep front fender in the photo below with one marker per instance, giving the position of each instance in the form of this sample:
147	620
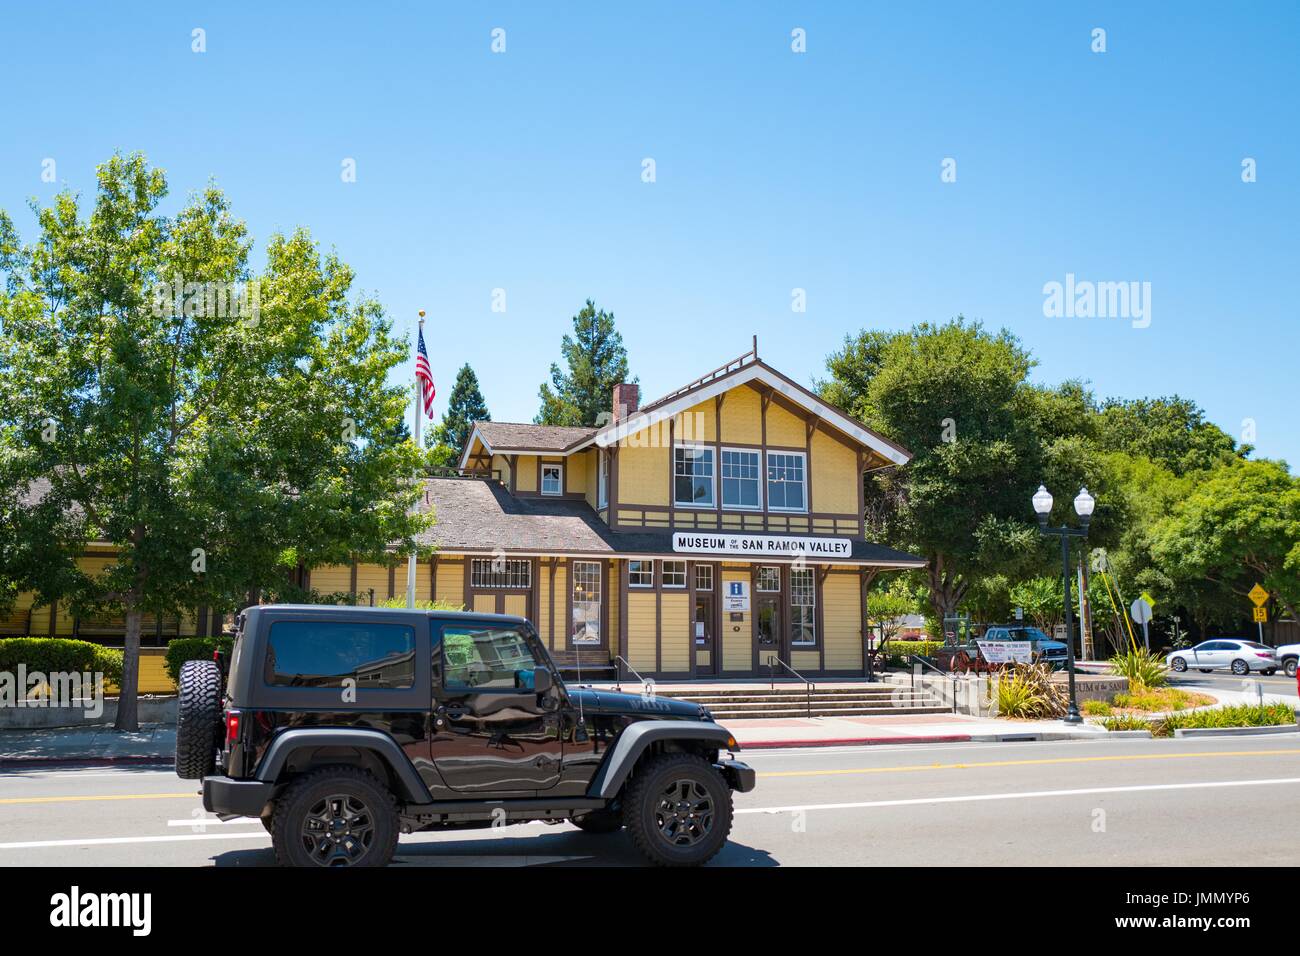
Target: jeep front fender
409	785
632	743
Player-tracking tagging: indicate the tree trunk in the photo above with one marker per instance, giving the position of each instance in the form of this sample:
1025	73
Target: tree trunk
127	710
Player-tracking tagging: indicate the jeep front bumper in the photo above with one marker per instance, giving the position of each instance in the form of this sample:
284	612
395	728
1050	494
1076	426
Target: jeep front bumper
739	776
242	798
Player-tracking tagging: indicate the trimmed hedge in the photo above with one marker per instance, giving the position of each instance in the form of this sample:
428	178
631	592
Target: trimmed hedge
900	651
60	654
184	649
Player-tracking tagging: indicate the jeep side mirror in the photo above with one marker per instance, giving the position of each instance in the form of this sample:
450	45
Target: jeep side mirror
541	680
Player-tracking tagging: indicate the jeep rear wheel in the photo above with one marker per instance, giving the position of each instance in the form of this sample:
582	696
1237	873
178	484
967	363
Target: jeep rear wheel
678	810
599	821
335	816
198	719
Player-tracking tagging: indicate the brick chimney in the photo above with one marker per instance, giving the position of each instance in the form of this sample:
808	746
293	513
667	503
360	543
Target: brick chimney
627	397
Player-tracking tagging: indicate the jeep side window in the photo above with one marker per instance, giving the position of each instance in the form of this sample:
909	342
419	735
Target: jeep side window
325	653
486	658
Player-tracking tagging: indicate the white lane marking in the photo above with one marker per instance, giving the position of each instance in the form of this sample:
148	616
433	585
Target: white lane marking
1022	795
108	841
200	822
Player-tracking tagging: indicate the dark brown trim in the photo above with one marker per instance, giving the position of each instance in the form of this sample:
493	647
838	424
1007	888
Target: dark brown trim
809	427
672	474
819	619
433	577
552	564
392	580
604	605
690	614
469	594
624	645
659	628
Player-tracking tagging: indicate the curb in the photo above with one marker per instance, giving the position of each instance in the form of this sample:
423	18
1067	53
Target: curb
1236	731
16	763
854	742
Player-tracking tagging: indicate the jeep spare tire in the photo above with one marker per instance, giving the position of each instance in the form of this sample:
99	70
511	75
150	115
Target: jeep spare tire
198	719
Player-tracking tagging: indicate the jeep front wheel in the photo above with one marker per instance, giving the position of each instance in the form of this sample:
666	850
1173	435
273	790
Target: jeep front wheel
335	816
198	719
678	810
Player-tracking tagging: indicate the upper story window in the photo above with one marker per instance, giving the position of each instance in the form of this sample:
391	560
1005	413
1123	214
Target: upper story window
641	574
693	476
674	574
552	479
740	471
602	482
494	573
786	481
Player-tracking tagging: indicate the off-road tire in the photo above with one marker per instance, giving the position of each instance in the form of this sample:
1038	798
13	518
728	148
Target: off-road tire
198	719
599	821
304	798
642	808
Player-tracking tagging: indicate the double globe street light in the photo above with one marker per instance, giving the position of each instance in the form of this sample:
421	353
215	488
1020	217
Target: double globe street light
1083	505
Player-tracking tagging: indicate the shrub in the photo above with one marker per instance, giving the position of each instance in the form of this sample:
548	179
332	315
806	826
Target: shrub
1096	708
192	649
1027	690
1232	715
1128	722
60	654
900	651
1163	698
1143	668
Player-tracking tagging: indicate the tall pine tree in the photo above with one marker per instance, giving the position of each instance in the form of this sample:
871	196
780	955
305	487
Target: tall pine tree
596	360
464	408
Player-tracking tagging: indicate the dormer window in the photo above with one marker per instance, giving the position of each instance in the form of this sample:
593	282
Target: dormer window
693	476
552	479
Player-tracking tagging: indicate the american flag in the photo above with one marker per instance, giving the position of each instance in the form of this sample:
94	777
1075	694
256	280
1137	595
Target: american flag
422	374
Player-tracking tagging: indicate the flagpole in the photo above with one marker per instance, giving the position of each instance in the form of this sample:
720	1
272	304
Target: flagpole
412	563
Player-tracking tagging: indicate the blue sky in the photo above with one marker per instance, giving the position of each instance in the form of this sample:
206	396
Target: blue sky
774	171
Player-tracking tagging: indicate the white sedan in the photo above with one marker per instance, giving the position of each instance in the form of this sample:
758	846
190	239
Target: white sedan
1238	656
1287	656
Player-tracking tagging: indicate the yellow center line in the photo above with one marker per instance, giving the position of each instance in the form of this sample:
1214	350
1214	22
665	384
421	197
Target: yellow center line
9	801
1028	763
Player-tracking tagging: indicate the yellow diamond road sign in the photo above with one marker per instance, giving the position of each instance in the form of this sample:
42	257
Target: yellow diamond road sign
1258	595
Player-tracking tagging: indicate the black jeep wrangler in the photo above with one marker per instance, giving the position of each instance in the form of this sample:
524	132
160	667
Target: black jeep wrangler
341	727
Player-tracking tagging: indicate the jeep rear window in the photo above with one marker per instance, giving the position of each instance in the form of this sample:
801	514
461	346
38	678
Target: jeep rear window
326	653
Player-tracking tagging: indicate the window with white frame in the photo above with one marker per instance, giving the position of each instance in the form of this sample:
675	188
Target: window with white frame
803	607
602	481
786	481
586	602
500	573
640	574
769	579
552	479
693	476
674	574
740	475
704	577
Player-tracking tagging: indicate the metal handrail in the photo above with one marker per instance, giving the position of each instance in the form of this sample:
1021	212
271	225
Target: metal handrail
618	684
918	659
809	687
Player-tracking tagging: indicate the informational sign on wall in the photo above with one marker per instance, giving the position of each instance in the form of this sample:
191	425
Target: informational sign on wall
736	596
763	545
1003	652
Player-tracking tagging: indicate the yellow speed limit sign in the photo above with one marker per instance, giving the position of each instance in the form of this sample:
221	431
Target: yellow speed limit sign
1261	615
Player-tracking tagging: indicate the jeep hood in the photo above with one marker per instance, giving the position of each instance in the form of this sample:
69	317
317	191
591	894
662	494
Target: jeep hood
612	702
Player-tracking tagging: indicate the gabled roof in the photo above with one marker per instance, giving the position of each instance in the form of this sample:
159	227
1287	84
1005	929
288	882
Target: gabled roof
755	371
516	437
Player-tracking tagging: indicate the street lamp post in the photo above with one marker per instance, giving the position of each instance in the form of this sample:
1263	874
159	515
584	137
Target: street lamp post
1083	505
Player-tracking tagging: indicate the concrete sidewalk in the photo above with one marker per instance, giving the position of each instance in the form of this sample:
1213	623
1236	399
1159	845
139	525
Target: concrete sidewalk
152	743
899	729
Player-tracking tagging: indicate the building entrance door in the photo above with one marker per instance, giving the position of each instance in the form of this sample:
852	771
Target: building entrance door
706	648
768	620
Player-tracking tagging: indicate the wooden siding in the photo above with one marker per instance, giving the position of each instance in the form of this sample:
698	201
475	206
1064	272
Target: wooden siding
451	581
641	622
834	478
842	621
675	633
642	476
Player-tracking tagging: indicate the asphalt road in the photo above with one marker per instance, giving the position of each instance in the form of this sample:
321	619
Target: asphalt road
1278	683
1222	801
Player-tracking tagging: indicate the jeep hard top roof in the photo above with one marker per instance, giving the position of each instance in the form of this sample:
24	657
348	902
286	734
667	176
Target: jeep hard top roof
327	610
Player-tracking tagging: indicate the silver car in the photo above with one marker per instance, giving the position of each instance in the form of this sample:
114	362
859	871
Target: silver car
1238	656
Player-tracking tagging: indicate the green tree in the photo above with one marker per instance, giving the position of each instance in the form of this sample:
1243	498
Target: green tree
1237	526
1042	598
1172	432
218	427
464	408
983	439
596	361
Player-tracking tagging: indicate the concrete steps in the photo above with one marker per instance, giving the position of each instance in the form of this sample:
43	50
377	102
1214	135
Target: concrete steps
867	700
